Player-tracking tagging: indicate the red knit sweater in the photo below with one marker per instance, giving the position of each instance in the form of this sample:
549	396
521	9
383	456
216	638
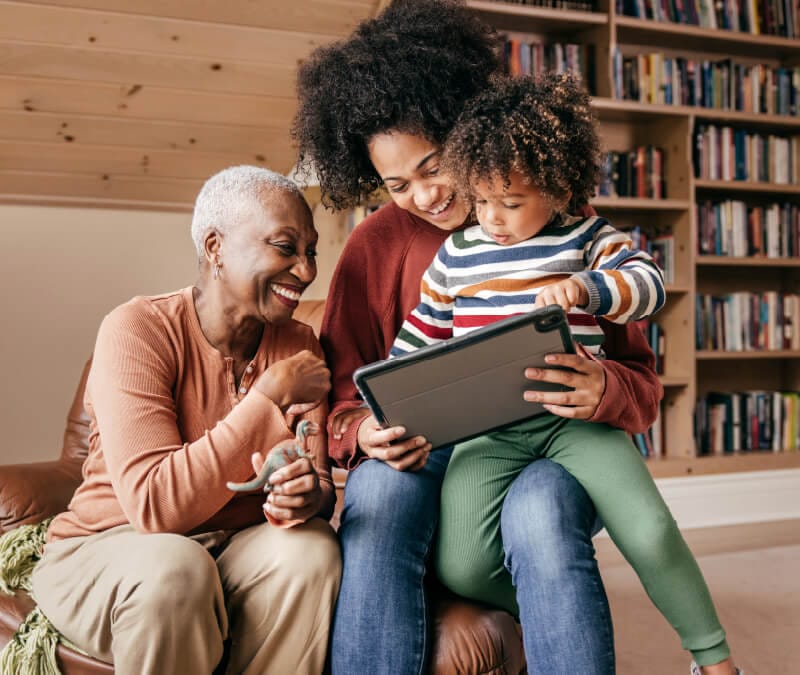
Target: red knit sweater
376	285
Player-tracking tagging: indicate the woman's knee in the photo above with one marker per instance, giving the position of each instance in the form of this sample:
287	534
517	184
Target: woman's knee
309	554
182	580
378	496
545	499
547	517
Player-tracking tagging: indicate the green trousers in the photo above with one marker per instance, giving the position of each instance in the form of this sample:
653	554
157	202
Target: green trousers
611	470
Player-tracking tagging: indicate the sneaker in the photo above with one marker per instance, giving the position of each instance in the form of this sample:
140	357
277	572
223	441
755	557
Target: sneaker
695	670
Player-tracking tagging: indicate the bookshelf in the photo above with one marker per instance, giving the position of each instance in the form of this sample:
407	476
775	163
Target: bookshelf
689	373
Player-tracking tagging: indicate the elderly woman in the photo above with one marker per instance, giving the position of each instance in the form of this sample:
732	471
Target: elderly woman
374	111
157	562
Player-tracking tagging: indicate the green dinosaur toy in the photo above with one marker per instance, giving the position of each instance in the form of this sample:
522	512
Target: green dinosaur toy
282	454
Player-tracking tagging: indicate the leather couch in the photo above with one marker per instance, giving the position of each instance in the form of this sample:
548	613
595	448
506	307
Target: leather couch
469	639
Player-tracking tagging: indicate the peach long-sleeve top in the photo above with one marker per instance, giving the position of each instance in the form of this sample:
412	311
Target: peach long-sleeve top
169	427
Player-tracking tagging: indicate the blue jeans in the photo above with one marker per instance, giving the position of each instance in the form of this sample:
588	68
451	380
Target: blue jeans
547	523
381	623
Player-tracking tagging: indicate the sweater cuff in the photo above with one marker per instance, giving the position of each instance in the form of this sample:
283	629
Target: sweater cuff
586	279
344	451
350	441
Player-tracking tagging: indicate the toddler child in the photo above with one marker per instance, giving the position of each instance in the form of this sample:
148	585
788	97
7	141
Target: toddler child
527	153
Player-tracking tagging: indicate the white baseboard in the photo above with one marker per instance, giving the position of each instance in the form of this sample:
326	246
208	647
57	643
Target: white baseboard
732	498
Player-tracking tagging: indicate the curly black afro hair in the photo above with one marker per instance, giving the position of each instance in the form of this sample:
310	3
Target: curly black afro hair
541	127
410	69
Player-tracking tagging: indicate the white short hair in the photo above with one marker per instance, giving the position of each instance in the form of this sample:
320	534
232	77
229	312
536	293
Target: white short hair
231	194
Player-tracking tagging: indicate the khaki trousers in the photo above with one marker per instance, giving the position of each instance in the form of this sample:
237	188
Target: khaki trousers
162	604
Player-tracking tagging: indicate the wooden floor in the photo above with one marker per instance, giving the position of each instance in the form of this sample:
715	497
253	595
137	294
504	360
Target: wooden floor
754	575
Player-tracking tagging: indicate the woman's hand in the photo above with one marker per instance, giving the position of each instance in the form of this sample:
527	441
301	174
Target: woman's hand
303	378
568	293
587	379
410	454
296	493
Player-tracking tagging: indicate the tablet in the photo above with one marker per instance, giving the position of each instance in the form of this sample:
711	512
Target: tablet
465	386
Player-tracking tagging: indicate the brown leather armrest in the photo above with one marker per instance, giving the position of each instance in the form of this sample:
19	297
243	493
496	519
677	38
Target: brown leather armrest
472	639
29	493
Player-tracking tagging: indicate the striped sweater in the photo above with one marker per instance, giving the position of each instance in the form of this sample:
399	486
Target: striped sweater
474	281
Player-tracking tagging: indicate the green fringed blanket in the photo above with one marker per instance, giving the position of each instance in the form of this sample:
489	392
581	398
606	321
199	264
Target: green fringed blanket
32	649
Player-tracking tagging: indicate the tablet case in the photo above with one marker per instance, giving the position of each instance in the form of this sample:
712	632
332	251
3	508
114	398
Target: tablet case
465	386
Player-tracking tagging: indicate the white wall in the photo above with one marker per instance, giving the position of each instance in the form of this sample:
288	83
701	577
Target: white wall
62	270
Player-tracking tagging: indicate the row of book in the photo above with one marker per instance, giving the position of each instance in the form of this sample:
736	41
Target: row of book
727	153
660	246
721	85
651	442
734	228
654	334
747	321
748	420
575	5
757	17
633	173
522	57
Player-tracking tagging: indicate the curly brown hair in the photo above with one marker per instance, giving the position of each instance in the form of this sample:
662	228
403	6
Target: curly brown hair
410	69
543	127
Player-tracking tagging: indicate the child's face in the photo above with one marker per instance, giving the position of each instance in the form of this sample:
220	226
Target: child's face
513	213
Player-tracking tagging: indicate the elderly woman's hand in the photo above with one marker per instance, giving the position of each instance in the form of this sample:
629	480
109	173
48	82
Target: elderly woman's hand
410	454
302	378
587	378
296	494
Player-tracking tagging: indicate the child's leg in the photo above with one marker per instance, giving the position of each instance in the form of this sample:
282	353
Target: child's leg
469	551
611	470
547	521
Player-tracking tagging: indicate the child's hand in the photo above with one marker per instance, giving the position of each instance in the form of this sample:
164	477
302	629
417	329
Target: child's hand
568	293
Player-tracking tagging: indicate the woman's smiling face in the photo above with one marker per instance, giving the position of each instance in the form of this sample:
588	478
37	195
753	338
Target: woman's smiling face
408	165
269	258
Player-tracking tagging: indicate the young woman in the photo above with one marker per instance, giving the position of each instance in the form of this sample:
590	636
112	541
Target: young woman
374	111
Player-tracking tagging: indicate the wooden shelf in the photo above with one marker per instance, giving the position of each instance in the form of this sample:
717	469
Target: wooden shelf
761	460
746	186
678	288
637	204
673	381
631	111
731	261
523	18
664	34
612	109
712	354
625	125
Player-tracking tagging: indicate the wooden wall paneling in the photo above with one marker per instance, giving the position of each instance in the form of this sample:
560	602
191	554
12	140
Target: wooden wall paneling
61	157
136	101
252	143
329	17
69	27
133	68
41	187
